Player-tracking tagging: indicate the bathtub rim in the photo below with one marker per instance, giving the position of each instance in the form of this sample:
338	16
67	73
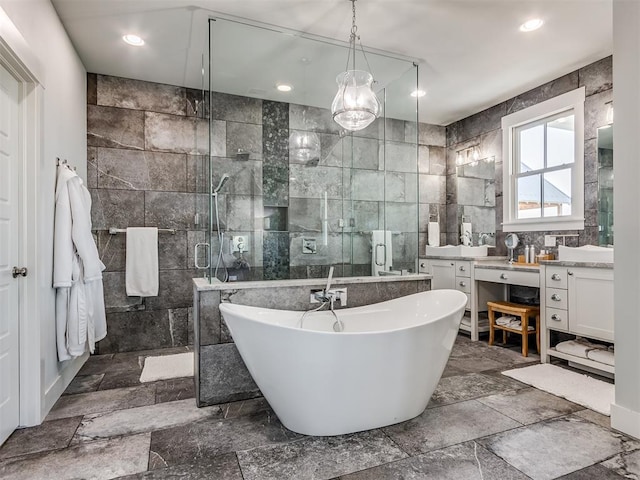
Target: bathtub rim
454	308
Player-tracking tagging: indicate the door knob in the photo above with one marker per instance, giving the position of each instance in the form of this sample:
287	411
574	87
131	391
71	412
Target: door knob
16	272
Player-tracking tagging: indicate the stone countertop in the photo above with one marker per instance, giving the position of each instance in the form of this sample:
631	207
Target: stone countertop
473	259
562	263
504	265
201	284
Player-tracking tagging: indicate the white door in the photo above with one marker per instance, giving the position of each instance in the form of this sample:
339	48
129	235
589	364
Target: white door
9	252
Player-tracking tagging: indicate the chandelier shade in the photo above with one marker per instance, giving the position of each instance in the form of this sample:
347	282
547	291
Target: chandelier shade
355	105
304	146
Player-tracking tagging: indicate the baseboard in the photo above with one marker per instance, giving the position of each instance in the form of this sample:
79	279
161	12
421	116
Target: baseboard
62	381
625	420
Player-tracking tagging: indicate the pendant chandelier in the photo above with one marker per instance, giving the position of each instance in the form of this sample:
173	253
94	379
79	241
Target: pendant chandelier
355	106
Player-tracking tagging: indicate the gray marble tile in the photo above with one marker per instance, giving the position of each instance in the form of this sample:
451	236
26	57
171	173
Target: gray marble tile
432	189
530	405
365	153
432	135
84	384
209	321
92	164
244	137
116	208
177	134
121	379
471	385
132	331
475	125
112	251
201	440
245	177
276	255
318	457
366	215
401	217
306	215
544	92
473	364
395	130
96	364
583	444
437	161
400	157
51	435
172	251
102	401
136	170
275	115
224	376
367	185
115	295
92	84
401	187
483	219
595	417
313	182
197	103
443	426
115	127
245	407
234	108
139	95
597	76
625	464
175	290
143	419
423	159
465	461
100	460
244	212
303	117
169	210
219	467
595	113
275	185
594	472
175	389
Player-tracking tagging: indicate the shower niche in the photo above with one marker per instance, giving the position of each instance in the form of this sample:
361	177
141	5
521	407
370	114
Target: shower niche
305	193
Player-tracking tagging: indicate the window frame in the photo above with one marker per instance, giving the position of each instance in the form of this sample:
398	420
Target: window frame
566	102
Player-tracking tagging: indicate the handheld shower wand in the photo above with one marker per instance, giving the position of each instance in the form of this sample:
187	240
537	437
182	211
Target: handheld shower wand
223	180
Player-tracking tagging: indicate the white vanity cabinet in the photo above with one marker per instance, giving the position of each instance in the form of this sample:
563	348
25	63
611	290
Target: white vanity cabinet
579	301
458	274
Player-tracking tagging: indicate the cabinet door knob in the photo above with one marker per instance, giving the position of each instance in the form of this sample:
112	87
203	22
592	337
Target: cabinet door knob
503	276
462	268
569	273
423	265
462	284
19	272
555	276
555	297
555	317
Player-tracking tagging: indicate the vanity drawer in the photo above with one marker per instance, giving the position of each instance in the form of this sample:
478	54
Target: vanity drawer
556	318
463	269
463	284
556	277
556	297
511	277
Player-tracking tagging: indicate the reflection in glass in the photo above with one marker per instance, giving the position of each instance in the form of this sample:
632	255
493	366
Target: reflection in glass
529	197
560	141
532	149
557	193
605	185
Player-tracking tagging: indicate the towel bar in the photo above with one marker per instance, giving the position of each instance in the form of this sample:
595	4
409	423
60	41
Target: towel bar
113	231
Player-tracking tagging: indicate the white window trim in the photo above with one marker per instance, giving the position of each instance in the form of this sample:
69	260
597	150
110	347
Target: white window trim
567	101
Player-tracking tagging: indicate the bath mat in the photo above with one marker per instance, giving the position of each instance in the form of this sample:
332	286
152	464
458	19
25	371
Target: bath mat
167	366
575	387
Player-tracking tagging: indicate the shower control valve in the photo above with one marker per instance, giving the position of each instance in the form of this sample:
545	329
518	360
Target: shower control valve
239	243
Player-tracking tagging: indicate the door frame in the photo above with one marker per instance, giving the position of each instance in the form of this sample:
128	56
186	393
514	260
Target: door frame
19	59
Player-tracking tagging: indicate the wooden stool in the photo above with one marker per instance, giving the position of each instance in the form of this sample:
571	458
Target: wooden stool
518	310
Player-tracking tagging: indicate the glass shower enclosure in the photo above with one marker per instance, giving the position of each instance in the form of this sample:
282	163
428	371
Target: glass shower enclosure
285	192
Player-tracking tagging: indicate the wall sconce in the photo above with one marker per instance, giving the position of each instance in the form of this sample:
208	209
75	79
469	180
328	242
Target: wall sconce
468	156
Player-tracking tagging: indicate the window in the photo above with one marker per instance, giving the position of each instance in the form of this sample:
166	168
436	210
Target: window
543	151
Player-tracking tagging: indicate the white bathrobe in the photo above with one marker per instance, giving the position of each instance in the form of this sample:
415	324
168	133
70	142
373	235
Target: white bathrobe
77	270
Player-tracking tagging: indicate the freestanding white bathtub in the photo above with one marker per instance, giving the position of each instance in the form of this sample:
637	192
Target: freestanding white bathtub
382	369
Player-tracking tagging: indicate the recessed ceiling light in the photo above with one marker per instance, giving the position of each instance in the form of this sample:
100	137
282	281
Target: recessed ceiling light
531	25
283	87
134	40
418	93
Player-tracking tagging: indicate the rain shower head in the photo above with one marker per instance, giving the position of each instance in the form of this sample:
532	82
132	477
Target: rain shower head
223	180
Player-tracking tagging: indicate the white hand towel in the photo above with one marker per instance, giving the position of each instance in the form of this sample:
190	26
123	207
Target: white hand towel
433	234
603	356
466	232
142	262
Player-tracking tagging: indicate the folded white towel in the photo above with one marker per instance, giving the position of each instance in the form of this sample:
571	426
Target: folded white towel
504	320
602	356
142	262
433	234
578	347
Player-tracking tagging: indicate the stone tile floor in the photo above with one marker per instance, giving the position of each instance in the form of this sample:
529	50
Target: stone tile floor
479	425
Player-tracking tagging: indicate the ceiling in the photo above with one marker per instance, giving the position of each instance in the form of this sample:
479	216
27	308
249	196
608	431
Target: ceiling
471	52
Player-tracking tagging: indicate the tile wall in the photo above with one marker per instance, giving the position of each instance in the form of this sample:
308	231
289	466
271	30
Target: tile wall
146	147
473	191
